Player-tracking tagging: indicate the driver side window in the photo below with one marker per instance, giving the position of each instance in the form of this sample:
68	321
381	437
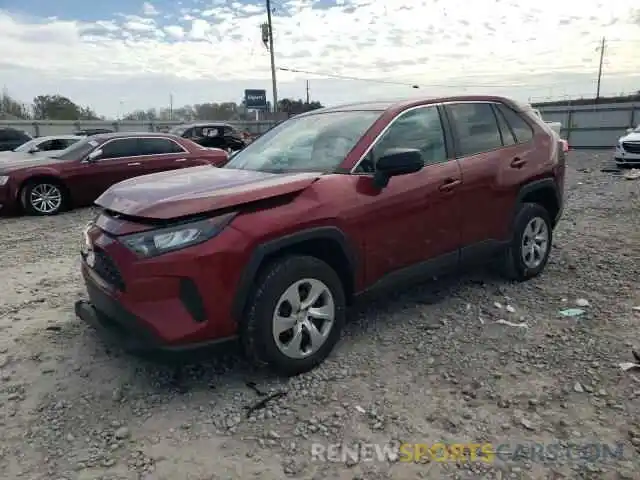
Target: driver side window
419	129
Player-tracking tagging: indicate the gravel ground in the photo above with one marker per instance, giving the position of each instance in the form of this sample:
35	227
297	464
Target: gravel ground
429	364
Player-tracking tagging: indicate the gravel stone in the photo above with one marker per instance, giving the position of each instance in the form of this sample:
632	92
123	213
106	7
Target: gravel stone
416	366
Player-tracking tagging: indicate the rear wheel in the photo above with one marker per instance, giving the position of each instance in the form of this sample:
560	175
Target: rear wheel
294	316
528	253
43	197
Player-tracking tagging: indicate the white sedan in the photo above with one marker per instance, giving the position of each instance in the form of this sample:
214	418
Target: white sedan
627	151
46	145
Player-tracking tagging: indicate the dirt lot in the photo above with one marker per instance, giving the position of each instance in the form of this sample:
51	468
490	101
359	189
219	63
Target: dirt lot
429	364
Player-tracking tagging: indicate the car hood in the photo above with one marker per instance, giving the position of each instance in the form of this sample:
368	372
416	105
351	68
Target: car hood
180	193
631	137
10	161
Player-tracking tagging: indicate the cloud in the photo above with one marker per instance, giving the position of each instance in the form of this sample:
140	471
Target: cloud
149	10
447	46
175	31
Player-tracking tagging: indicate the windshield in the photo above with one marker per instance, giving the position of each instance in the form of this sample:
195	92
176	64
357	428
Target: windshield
25	147
78	150
318	142
177	131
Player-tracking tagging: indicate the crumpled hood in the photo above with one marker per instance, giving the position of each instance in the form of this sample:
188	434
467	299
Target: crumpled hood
631	137
10	161
190	191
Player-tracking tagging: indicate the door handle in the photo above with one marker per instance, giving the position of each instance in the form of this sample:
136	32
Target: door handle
134	164
449	184
181	160
518	163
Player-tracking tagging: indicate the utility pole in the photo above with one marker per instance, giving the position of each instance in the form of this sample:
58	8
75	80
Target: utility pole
171	106
600	68
307	92
273	61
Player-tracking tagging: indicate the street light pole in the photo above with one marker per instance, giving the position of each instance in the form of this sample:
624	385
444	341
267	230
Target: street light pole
273	61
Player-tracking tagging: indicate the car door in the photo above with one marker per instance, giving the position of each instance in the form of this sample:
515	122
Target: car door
486	193
522	156
415	218
118	161
160	154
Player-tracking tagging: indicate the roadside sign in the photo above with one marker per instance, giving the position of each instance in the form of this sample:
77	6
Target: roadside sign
255	99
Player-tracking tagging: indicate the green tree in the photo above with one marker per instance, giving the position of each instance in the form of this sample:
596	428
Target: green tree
10	108
149	115
58	107
295	107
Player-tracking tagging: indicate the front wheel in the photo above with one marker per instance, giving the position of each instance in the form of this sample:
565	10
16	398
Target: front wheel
528	253
294	316
43	198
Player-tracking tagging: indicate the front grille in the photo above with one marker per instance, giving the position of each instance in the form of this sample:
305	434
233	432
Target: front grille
631	147
107	269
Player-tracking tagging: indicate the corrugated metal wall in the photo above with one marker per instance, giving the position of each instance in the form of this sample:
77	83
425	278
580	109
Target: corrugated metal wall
593	126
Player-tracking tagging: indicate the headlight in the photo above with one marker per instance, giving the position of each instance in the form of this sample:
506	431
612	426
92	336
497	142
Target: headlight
3	180
164	240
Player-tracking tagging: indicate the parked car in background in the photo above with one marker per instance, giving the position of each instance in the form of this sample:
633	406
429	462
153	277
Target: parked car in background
87	132
328	205
627	152
213	135
11	138
76	176
50	144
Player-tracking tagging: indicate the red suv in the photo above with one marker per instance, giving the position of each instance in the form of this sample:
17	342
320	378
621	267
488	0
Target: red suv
272	248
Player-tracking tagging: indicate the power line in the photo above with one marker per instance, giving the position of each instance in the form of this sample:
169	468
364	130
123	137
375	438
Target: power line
447	85
346	77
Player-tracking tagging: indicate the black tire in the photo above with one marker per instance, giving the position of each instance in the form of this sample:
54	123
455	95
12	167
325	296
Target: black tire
28	205
256	327
512	264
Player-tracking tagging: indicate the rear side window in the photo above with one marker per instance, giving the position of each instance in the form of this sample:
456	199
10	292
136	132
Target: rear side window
476	126
124	147
47	145
505	130
158	146
67	142
521	129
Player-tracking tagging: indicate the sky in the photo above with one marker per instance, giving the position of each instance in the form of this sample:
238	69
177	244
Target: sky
123	55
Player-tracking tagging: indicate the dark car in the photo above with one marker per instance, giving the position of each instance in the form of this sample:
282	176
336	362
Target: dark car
45	185
273	248
213	135
12	138
87	132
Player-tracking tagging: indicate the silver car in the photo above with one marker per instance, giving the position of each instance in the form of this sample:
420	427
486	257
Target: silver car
627	151
53	144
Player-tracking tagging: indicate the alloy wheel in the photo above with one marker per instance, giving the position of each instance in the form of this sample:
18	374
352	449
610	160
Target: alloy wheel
535	242
45	198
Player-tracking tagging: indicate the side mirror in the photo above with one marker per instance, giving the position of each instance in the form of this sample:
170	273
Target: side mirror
34	150
629	130
397	161
93	156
